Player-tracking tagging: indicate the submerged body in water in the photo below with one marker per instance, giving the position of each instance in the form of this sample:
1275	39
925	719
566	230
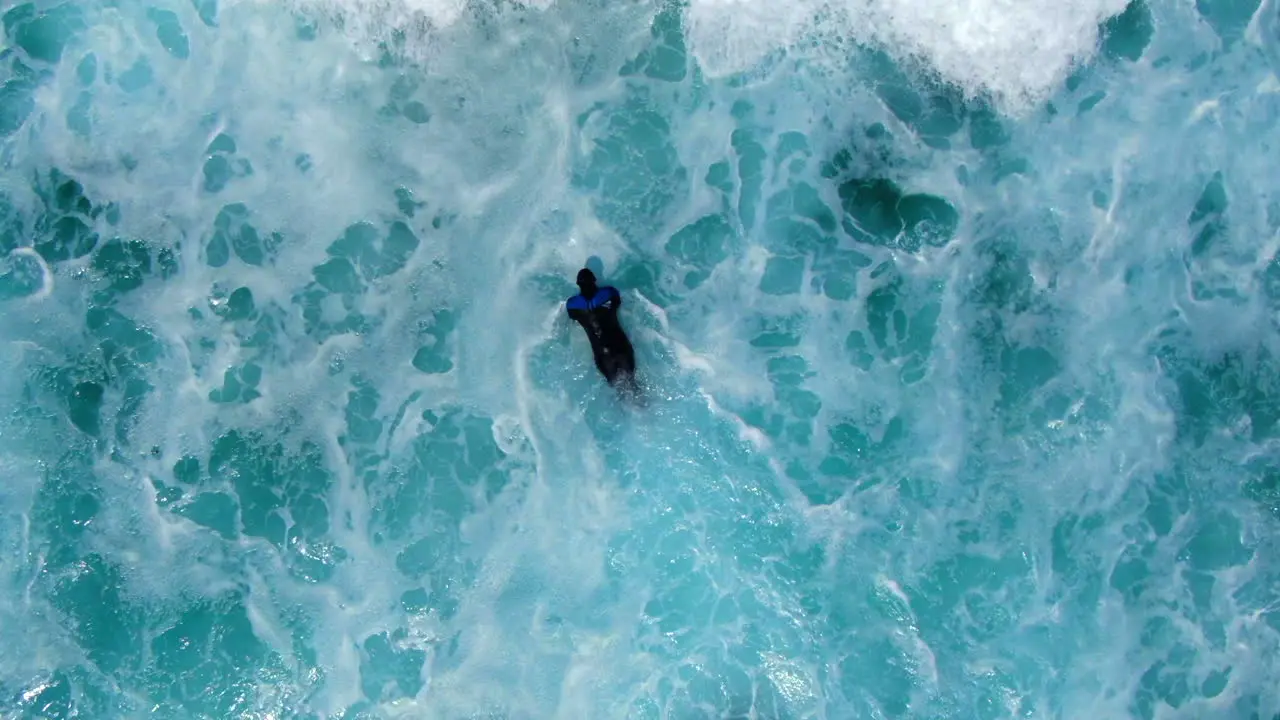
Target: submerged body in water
595	309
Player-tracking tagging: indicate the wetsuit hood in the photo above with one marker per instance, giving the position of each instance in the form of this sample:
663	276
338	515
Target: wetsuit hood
587	283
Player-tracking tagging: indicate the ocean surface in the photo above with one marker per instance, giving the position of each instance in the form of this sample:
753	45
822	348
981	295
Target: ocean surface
957	322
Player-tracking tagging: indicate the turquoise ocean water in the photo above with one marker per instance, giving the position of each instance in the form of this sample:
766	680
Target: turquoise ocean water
958	322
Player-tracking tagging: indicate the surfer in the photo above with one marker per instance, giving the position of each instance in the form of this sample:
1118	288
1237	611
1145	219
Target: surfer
596	310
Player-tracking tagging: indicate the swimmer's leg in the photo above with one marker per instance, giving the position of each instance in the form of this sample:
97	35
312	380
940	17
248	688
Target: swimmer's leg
619	370
608	368
627	382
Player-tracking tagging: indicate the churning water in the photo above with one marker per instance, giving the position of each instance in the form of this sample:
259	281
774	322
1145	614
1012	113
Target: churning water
958	322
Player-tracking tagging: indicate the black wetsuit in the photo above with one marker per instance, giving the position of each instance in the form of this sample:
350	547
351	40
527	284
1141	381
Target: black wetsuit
598	315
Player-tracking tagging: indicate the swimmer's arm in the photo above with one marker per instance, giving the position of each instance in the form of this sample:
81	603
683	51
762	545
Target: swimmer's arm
561	328
565	321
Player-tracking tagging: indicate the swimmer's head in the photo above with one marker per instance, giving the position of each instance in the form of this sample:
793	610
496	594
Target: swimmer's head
586	281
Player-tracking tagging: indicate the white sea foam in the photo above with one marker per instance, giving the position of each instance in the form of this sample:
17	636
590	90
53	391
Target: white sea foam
634	559
1016	50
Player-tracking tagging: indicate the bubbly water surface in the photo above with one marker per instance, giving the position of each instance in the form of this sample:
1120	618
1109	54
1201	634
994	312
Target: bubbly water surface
958	323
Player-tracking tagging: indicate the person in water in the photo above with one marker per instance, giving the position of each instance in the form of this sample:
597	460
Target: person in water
596	310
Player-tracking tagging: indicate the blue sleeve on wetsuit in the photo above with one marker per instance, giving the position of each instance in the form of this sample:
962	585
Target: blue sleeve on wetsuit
577	302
